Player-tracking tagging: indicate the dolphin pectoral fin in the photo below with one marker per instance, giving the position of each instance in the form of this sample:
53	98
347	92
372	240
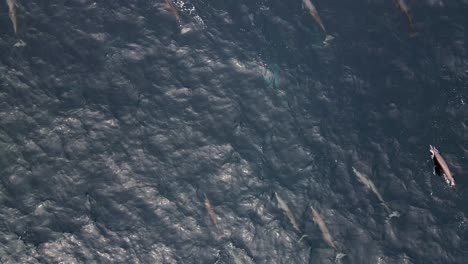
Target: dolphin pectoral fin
437	171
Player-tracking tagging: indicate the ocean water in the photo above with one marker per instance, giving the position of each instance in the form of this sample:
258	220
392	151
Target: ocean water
127	136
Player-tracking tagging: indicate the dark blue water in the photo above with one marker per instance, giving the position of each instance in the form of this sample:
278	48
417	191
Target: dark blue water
117	123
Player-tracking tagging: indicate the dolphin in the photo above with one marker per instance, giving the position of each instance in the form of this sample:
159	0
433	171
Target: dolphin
172	8
12	12
370	185
441	167
405	9
282	204
318	219
314	13
323	228
211	212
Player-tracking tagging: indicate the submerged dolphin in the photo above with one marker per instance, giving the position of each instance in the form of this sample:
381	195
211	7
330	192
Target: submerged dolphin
370	185
441	167
282	204
211	212
172	8
405	9
12	12
323	228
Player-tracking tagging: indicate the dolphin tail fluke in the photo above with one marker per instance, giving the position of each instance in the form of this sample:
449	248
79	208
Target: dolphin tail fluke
394	214
327	40
20	43
339	256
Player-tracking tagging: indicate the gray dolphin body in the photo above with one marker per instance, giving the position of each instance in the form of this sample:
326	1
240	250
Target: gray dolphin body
173	9
12	12
370	185
405	9
441	167
211	211
314	13
284	206
323	227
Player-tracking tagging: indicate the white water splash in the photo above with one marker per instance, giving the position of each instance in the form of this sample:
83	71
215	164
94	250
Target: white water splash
189	9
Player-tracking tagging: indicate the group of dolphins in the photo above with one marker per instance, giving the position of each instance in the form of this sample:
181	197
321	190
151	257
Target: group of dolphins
313	12
173	10
315	15
440	168
318	218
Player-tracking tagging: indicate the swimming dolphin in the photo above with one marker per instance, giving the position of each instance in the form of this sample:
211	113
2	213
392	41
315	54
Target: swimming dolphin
323	228
211	212
314	13
370	185
172	8
441	167
405	9
12	12
282	204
